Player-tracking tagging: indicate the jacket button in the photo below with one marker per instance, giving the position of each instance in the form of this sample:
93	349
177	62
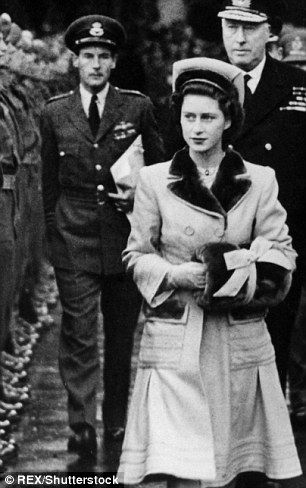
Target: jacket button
189	231
62	153
100	187
268	146
96	145
98	167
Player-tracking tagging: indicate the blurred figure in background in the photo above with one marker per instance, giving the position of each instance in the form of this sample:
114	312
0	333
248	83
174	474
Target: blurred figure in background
27	78
294	47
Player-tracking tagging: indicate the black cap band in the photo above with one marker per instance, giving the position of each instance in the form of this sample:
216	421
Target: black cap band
203	76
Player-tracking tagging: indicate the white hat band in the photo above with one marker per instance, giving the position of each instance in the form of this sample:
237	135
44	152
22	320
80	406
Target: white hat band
244	15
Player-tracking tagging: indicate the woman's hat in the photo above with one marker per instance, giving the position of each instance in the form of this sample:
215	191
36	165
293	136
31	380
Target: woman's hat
95	30
207	70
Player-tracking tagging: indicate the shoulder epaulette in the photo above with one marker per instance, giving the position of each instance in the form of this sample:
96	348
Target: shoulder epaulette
59	97
130	92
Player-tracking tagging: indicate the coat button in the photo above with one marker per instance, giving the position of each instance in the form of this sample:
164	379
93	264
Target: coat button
268	146
98	167
96	145
62	153
189	231
100	187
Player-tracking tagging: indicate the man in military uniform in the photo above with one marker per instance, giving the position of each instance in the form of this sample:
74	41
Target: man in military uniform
274	135
84	133
12	149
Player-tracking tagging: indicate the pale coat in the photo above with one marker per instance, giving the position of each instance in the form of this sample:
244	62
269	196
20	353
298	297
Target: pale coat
207	403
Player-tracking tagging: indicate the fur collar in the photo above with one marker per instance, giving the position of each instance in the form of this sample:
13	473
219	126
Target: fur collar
226	190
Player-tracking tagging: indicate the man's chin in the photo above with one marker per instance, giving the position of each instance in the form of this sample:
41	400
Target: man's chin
241	62
98	86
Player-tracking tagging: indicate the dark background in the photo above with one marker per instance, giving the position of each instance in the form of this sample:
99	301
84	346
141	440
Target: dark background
49	16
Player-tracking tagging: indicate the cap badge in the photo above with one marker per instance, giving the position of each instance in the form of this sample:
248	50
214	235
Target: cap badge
242	3
96	29
297	44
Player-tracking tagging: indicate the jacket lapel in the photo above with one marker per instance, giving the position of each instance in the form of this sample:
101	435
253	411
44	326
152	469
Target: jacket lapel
113	110
265	99
77	115
226	190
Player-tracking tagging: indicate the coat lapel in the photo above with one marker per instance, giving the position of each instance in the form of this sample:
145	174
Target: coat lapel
226	190
77	115
113	110
264	99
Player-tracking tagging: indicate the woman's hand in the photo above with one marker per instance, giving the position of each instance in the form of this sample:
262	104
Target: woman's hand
187	275
123	201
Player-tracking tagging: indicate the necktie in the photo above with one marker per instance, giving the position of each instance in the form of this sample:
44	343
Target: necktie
94	118
247	93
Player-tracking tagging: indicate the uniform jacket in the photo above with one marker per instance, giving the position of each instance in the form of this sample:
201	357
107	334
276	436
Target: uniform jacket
85	234
171	428
12	146
274	135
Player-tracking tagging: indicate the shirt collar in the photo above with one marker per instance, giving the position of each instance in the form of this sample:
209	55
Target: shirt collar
86	97
255	75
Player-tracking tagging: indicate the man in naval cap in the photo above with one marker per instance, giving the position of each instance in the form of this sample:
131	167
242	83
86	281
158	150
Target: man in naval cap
84	133
274	135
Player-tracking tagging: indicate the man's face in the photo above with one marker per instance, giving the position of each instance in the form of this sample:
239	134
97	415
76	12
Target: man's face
95	64
245	42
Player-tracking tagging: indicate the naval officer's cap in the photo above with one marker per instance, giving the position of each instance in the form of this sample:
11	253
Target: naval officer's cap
95	30
253	11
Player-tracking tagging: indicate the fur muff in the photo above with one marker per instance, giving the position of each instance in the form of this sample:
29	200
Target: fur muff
273	281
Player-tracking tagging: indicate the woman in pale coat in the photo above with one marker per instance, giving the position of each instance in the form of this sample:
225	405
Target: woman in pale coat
210	251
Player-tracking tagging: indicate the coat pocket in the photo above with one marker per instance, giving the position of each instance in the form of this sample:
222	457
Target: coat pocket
250	344
162	339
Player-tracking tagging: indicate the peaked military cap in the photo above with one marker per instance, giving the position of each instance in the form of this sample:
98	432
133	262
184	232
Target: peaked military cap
294	45
256	11
207	70
95	29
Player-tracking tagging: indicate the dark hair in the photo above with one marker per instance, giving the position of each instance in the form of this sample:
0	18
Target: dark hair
228	103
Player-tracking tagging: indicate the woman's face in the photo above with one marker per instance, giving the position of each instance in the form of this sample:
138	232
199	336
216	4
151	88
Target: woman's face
203	123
